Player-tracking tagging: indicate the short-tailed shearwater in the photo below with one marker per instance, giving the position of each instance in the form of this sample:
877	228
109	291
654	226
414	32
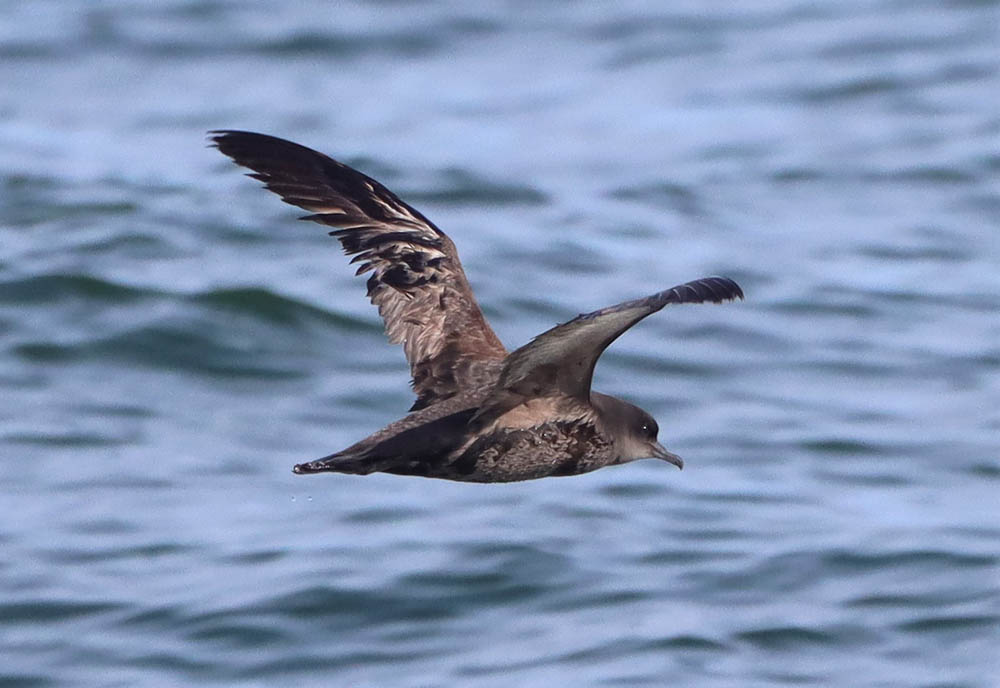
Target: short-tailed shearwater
481	414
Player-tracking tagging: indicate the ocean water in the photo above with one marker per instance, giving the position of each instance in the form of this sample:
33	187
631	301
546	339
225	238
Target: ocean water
172	341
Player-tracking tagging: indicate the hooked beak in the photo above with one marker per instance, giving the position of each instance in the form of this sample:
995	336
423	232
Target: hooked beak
659	452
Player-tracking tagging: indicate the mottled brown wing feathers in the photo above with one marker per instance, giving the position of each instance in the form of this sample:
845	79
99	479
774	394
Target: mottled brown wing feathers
561	361
416	279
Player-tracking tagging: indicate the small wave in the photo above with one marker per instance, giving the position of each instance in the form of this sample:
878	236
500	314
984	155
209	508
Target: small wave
383	514
275	308
238	635
462	187
177	346
951	624
792	175
56	287
687	642
667	195
843	447
405	44
188	348
926	174
935	598
786	637
896	253
65	439
364	606
935	559
852	89
50	611
143	552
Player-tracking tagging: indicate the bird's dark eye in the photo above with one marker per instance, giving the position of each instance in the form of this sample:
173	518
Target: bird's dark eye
650	430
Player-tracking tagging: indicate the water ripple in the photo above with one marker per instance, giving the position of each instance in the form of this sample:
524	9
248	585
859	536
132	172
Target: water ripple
168	352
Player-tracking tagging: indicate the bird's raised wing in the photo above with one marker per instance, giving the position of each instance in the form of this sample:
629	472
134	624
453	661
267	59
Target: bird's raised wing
561	361
417	281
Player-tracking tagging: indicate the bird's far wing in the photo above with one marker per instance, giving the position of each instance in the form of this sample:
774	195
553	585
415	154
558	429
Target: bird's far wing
417	281
561	361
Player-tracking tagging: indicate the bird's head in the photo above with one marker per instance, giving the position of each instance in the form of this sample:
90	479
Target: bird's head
634	431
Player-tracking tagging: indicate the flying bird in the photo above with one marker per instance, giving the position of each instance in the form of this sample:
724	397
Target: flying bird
481	414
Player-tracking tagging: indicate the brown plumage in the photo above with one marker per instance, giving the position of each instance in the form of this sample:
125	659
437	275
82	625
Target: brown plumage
416	281
481	414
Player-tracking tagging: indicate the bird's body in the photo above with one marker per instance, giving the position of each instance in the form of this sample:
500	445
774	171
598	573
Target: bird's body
545	437
481	414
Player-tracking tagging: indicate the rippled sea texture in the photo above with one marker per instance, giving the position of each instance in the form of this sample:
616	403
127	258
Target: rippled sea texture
173	341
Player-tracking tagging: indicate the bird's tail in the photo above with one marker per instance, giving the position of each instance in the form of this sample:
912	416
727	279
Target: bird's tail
412	451
345	462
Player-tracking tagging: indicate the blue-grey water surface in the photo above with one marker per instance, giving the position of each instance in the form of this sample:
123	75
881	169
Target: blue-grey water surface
173	341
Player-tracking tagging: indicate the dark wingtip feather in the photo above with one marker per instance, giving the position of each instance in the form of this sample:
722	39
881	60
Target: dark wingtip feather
712	289
218	134
734	290
217	137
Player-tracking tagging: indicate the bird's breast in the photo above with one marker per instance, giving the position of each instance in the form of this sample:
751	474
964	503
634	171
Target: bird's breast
521	446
